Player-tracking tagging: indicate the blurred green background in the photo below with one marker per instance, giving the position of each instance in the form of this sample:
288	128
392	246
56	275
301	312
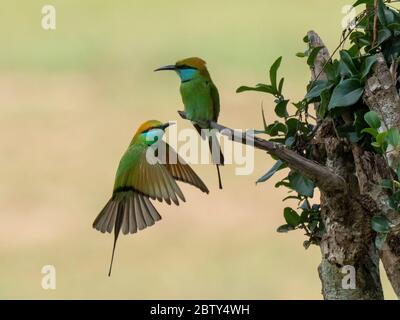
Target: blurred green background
70	100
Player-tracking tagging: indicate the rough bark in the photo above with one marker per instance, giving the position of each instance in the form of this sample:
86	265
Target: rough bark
348	239
381	96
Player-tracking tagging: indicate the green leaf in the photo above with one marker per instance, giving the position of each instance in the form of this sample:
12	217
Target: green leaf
372	119
380	224
301	184
373	132
291	217
346	93
380	144
292	125
385	15
280	86
291	198
281	109
323	105
386	184
300	54
332	71
285	228
380	240
393	137
358	2
282	184
274	129
306	244
380	139
348	63
276	167
264	121
367	65
313	55
312	225
273	73
383	35
381	13
394	200
260	88
394	27
318	88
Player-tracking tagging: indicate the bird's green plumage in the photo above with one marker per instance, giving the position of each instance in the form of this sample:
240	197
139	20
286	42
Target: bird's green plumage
139	178
129	166
200	98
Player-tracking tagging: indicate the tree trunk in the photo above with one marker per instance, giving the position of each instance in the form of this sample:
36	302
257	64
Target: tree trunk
349	239
347	246
349	180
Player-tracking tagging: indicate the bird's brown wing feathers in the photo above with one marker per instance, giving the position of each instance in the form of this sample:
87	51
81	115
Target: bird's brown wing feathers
141	172
180	170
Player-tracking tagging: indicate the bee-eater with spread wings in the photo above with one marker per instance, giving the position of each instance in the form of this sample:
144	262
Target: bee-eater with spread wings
138	180
201	100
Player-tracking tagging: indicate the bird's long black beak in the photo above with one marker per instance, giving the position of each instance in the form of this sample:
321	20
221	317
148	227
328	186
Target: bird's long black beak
170	67
166	125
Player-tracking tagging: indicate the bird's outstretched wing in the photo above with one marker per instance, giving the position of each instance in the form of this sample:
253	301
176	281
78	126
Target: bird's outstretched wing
179	169
139	177
140	171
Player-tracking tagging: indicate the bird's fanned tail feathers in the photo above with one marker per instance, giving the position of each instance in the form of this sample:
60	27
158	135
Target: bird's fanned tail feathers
127	211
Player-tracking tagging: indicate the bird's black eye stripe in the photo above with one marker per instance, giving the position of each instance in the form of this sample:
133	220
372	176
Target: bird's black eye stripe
149	129
184	66
145	131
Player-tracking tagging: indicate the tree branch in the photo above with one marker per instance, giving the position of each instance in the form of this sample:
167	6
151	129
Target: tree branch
322	176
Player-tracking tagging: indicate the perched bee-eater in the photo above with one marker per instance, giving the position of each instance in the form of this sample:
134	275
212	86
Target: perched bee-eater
201	100
138	180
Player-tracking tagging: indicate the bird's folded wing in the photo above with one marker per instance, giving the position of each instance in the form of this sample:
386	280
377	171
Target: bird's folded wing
215	99
139	170
179	169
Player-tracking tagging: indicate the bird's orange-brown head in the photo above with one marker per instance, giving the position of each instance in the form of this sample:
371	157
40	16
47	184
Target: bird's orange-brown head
194	63
150	129
188	68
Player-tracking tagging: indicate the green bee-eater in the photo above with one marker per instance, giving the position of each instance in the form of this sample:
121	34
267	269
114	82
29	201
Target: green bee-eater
138	180
200	98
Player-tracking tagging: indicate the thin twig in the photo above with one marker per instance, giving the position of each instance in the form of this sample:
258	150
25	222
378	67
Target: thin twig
375	29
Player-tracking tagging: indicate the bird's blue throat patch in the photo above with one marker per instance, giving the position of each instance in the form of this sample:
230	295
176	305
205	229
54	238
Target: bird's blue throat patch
186	74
